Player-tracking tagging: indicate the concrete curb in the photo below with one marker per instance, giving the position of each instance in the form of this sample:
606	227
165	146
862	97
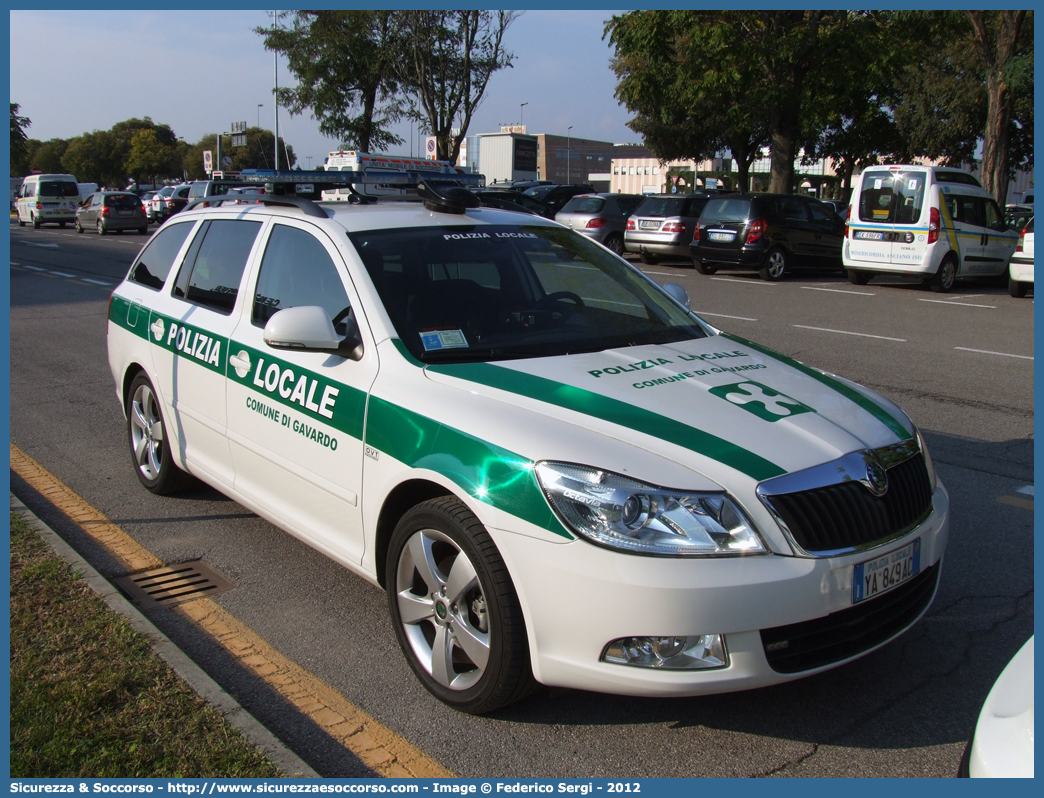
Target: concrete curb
209	690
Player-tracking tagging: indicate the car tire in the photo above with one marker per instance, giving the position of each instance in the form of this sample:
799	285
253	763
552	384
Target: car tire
702	266
445	581
78	226
149	447
143	230
774	265
101	228
615	244
856	277
21	223
36	222
649	259
1017	289
61	225
945	277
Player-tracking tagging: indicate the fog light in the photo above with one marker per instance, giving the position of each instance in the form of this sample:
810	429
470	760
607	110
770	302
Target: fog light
695	652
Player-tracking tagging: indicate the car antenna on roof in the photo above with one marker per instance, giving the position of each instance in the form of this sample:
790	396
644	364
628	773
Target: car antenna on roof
452	199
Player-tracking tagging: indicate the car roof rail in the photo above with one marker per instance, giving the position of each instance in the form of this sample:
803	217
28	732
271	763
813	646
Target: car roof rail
309	207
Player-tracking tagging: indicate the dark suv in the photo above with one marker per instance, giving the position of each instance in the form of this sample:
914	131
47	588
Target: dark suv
768	232
555	197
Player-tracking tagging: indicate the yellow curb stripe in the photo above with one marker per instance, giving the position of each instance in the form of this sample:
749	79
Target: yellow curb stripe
377	746
1015	501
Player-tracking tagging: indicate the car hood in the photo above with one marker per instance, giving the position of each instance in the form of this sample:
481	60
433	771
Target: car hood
720	399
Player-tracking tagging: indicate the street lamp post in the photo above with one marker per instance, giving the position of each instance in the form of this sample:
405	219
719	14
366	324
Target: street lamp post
520	108
569	173
259	107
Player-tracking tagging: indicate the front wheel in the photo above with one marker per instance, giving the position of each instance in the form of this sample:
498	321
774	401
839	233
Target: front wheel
78	226
775	265
455	612
856	277
945	278
703	267
1017	289
61	225
147	435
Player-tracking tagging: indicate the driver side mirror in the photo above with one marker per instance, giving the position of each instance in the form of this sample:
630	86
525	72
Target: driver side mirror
678	294
308	329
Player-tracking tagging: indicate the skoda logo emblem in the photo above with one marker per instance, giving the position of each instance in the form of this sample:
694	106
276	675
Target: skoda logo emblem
876	479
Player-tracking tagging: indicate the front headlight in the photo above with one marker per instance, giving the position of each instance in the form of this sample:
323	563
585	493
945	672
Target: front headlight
624	514
927	460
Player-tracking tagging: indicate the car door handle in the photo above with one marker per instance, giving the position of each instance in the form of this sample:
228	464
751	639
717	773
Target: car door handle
240	361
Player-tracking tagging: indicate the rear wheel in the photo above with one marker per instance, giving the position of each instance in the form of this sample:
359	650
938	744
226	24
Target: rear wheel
945	278
702	266
856	277
101	228
36	223
615	243
21	223
143	230
78	226
1017	289
149	445
454	609
649	259
61	225
775	265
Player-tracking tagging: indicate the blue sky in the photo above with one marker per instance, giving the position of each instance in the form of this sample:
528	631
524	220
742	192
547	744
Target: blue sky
200	70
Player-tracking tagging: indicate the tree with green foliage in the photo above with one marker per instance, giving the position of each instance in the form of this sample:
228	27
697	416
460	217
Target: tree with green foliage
48	157
448	61
256	155
346	64
90	158
690	99
19	142
150	157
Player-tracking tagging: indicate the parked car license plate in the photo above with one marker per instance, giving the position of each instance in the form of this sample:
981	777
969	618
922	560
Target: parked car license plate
650	225
881	574
722	236
869	235
124	213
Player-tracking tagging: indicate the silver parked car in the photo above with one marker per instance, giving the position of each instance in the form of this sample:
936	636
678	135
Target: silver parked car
108	211
601	217
662	226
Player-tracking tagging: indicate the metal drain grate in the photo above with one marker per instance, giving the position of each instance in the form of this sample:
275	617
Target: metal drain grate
173	584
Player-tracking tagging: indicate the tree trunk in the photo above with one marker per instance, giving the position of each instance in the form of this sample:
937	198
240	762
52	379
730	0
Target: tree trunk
786	129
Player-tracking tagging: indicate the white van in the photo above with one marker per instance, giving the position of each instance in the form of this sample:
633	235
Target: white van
930	221
48	198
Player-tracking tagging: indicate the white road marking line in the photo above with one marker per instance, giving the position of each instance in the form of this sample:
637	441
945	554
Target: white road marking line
1026	489
62	274
837	291
96	282
722	316
988	352
846	332
745	282
661	274
15	264
957	304
42	246
34	268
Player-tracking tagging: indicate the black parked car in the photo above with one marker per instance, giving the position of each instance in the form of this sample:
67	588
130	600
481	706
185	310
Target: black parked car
770	233
509	200
555	197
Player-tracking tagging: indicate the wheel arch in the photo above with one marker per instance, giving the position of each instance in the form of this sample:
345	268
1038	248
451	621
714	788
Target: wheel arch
396	504
133	370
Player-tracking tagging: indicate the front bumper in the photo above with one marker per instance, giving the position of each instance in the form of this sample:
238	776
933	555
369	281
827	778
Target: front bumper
578	597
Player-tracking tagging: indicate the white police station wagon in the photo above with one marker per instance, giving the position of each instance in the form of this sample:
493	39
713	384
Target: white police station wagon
558	473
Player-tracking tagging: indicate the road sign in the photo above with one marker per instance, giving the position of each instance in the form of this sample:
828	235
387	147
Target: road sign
208	161
239	127
239	140
429	148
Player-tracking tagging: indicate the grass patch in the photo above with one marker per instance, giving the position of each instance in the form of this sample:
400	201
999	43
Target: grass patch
89	696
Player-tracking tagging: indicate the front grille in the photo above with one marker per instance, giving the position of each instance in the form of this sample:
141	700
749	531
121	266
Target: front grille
847	515
849	632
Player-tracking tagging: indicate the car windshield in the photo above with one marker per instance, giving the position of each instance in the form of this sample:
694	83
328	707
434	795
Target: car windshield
122	201
891	197
725	209
56	188
661	207
584	205
481	293
539	191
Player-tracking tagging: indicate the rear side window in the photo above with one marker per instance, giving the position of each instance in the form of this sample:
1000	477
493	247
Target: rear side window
297	271
661	207
628	204
58	188
584	205
694	206
725	210
156	260
214	268
892	197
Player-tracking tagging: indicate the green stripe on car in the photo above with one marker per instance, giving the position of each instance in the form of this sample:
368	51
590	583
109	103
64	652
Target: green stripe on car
849	393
